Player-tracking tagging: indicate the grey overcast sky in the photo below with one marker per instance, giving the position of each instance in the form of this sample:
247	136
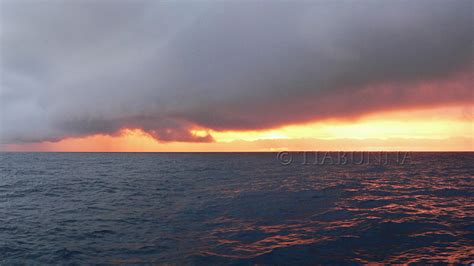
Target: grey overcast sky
81	67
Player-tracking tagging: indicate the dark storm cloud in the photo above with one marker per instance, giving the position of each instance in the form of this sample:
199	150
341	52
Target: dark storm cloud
84	67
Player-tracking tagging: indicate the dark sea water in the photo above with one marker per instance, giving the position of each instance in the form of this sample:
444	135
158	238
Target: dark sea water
233	208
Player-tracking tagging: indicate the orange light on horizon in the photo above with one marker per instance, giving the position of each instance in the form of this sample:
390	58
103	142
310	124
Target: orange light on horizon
438	123
443	128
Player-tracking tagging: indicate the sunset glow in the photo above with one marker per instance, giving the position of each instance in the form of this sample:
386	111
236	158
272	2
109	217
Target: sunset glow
214	77
241	132
451	128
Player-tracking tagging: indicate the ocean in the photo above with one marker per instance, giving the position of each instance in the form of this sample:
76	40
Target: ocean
235	208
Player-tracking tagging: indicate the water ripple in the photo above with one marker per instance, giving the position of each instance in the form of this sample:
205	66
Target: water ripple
244	208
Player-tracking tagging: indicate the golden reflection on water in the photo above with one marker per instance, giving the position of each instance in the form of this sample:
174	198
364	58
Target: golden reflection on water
382	212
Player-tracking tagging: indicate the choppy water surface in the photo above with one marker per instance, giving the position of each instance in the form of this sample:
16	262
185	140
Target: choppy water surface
233	208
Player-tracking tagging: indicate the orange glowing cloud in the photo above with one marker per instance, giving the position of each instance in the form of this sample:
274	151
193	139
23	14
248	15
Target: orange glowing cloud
222	85
438	129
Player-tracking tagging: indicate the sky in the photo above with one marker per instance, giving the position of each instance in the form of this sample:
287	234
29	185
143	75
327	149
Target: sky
88	75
